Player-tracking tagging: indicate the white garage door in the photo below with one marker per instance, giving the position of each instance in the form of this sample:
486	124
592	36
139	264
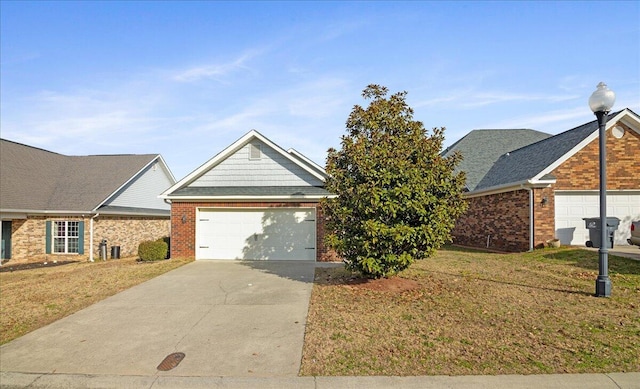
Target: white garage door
256	234
571	207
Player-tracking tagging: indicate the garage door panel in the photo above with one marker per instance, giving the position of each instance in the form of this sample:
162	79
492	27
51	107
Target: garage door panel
257	234
572	208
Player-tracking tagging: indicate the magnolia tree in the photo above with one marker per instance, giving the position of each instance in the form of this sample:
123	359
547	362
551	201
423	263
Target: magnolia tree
398	198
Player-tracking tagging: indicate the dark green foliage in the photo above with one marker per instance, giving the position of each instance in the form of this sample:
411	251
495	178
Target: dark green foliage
167	240
398	198
153	250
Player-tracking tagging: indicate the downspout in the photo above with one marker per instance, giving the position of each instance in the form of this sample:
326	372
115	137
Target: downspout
91	236
1	236
167	201
530	216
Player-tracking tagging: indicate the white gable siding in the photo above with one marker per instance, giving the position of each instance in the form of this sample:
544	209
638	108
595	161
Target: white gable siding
272	169
143	191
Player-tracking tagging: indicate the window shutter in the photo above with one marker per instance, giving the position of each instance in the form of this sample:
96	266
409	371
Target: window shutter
47	237
80	237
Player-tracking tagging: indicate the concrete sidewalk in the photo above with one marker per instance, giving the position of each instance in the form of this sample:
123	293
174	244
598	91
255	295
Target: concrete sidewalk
552	381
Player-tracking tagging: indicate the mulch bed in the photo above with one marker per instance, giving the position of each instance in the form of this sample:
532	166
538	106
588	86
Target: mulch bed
32	265
392	284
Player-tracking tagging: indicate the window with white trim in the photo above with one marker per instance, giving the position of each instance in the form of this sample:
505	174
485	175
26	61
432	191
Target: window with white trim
66	237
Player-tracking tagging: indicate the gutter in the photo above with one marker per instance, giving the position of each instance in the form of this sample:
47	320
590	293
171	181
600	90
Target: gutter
248	198
532	183
45	212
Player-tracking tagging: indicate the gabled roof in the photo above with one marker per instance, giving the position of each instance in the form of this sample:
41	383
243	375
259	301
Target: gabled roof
482	148
183	189
533	163
37	180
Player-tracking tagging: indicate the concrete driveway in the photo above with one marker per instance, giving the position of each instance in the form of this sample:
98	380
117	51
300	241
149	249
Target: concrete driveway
627	251
241	319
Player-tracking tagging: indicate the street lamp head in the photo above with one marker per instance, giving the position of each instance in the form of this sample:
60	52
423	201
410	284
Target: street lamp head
602	99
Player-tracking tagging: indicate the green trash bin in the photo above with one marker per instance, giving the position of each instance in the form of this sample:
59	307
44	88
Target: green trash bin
593	225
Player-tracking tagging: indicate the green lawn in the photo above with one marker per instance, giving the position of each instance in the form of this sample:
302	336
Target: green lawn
469	312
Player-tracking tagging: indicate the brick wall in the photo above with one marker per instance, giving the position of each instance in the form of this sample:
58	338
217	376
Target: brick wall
581	171
503	217
183	233
28	238
495	214
126	232
544	214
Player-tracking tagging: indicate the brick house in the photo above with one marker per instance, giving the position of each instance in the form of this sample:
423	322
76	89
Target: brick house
525	187
55	206
253	200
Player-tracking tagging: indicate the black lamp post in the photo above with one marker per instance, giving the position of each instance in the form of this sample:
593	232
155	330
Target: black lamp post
601	102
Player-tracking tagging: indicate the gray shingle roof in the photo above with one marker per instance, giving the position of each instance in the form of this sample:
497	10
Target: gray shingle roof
272	191
36	179
482	148
527	162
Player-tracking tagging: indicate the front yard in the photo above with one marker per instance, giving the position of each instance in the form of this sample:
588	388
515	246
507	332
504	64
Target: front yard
33	298
460	312
466	312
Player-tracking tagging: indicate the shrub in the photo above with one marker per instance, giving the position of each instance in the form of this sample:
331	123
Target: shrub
153	250
167	240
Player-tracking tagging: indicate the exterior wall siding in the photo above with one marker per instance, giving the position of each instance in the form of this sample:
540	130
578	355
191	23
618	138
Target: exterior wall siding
144	190
183	225
28	238
272	169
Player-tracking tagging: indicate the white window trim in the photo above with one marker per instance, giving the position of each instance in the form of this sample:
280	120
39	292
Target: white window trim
66	237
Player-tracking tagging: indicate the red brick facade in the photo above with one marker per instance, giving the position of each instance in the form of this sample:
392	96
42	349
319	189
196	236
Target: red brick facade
504	217
581	171
183	225
499	221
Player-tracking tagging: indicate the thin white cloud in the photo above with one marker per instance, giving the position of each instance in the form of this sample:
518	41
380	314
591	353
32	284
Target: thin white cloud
85	120
550	121
484	99
338	29
216	71
574	83
471	99
19	60
309	101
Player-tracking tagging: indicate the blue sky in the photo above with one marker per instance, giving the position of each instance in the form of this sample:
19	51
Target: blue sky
186	79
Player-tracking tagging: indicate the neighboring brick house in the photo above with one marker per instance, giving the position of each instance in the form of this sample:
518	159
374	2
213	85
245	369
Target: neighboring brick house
526	187
55	206
253	200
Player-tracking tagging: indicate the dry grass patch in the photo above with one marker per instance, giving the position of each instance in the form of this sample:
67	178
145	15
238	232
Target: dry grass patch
32	298
478	313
